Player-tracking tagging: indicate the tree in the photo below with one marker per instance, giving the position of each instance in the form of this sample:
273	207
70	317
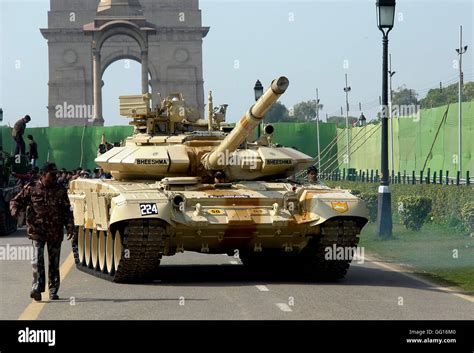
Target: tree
277	113
404	96
341	120
468	92
438	97
305	111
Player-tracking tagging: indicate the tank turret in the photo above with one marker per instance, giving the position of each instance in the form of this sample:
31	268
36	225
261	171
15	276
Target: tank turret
173	141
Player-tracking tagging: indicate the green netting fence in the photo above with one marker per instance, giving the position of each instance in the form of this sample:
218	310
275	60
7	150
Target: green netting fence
68	147
303	137
71	147
425	138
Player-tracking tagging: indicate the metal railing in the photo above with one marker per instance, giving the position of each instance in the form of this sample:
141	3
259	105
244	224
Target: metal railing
372	176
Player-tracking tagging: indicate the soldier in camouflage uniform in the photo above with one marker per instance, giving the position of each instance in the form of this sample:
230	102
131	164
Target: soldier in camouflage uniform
48	211
312	174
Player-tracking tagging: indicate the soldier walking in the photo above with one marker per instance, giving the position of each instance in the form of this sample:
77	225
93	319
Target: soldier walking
48	211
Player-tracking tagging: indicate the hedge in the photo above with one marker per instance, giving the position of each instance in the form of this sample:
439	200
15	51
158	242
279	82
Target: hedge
414	211
450	204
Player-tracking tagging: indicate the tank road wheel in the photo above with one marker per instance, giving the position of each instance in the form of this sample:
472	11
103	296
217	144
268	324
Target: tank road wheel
131	252
102	251
109	253
80	245
95	249
87	247
118	249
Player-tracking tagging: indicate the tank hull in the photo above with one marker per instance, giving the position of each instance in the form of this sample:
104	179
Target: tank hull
125	227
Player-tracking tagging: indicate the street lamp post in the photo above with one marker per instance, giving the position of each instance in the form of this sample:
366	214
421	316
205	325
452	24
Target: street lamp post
385	19
258	91
460	52
317	129
1	138
390	112
347	89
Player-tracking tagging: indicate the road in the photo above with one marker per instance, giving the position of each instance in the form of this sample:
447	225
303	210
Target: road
217	287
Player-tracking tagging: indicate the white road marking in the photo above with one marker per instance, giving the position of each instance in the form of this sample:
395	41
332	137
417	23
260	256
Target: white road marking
234	262
283	307
262	288
404	272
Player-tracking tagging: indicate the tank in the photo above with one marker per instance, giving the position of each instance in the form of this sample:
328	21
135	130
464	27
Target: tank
183	183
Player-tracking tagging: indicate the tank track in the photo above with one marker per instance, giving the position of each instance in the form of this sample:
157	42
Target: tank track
144	240
341	233
310	263
143	245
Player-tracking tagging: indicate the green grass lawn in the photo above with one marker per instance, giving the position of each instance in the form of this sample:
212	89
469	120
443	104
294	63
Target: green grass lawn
431	252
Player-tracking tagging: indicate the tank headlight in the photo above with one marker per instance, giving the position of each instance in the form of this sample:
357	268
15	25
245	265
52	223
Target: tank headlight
178	202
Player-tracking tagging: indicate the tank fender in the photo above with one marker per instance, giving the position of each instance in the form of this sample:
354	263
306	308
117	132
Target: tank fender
319	207
122	209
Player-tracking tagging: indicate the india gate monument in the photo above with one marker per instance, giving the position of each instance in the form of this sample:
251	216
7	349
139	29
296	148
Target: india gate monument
86	36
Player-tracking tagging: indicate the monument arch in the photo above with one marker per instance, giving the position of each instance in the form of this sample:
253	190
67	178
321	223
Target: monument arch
151	32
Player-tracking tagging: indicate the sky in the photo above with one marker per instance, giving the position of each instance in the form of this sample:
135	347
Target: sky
314	43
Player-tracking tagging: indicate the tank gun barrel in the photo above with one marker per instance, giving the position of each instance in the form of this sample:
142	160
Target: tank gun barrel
247	123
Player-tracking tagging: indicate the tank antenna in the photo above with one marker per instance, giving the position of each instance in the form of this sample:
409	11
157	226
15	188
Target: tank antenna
210	108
